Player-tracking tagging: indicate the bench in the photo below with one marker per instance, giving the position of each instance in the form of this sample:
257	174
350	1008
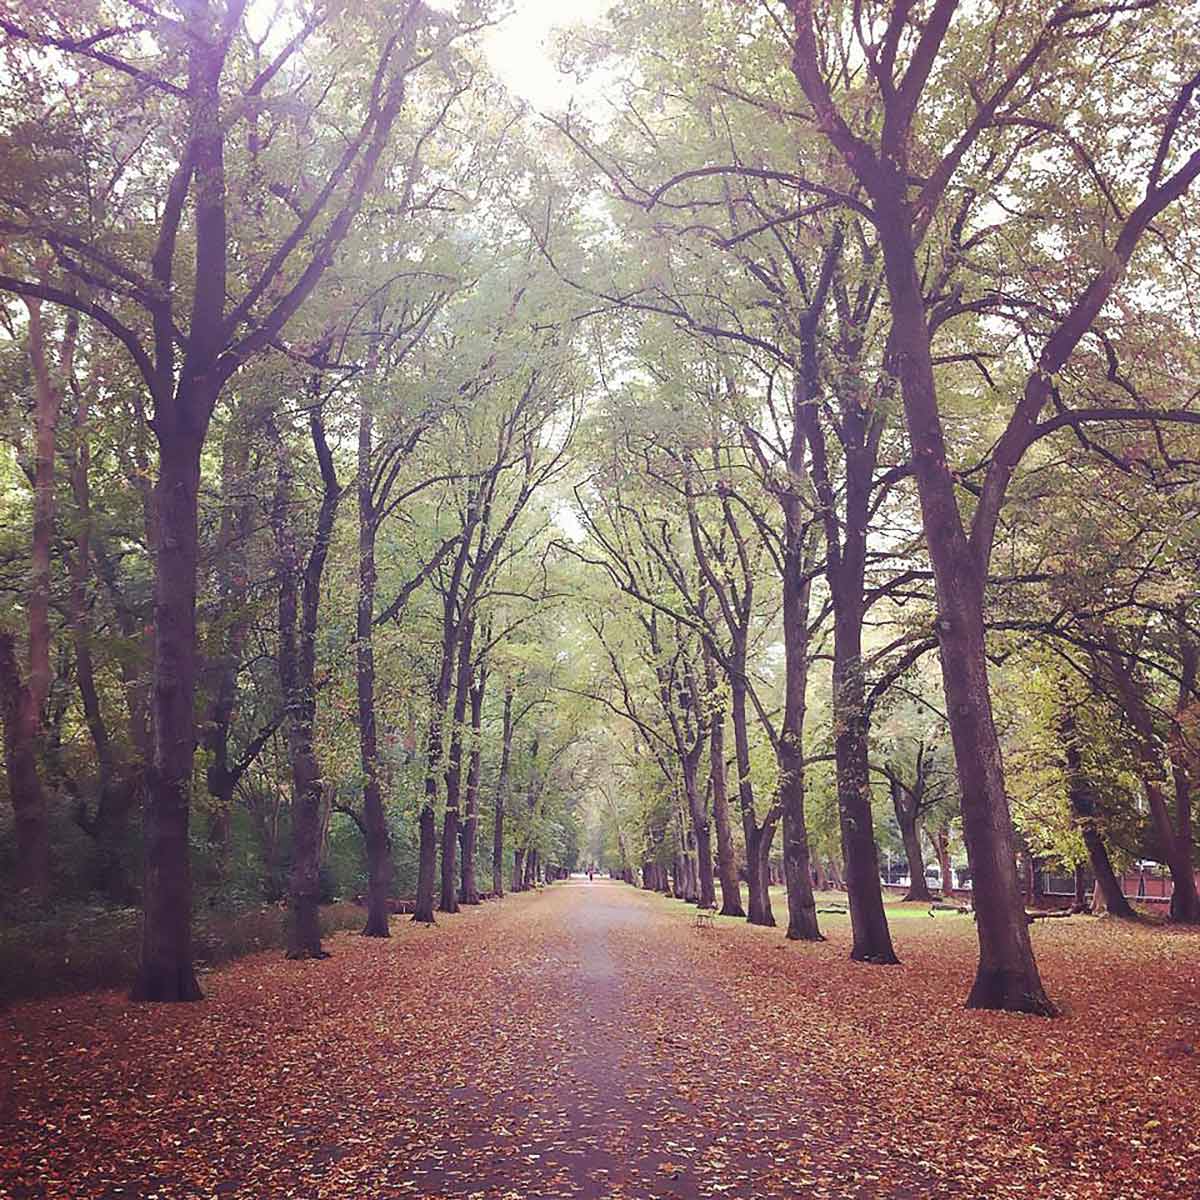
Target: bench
705	918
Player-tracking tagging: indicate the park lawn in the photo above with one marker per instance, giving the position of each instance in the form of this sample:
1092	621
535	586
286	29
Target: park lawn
1108	1091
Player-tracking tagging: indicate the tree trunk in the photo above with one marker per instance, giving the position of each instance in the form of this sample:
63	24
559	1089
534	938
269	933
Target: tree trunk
941	843
703	889
1007	975
452	629
1185	902
906	818
24	782
374	818
427	822
427	827
872	939
470	835
37	598
845	572
731	892
297	674
426	861
523	877
1079	901
23	702
758	879
1036	889
706	893
797	861
502	784
165	972
756	852
448	900
518	875
1174	835
1185	899
119	779
227	636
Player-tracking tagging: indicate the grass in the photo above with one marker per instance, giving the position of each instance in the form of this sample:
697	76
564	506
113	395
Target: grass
85	947
897	910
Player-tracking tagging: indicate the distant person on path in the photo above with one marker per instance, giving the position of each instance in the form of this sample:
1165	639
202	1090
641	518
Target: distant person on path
591	872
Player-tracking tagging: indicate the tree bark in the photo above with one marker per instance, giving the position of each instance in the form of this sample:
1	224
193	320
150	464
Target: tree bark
121	776
905	807
758	876
24	782
24	701
1174	835
374	818
451	631
118	780
502	784
1007	976
426	861
470	833
703	890
165	971
941	843
1185	899
448	900
229	628
731	891
797	861
872	939
48	401
297	674
758	839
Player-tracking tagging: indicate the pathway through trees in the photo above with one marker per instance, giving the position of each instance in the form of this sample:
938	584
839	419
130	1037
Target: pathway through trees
588	1041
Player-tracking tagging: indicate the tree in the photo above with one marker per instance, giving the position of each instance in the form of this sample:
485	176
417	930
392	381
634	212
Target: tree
188	342
25	786
299	612
911	802
884	158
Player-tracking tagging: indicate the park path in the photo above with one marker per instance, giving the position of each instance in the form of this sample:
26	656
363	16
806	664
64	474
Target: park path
587	1041
630	1076
584	1041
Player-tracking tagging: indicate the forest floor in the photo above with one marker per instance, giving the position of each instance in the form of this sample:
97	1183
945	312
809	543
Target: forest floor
589	1041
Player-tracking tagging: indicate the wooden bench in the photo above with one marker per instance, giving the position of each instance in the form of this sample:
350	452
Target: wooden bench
705	918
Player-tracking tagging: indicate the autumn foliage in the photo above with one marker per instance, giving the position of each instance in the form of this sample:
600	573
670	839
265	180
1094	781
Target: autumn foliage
605	1047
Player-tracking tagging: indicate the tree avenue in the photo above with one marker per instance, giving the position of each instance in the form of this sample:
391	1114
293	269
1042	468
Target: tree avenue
780	473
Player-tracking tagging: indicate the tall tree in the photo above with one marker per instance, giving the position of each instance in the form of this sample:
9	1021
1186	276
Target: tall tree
905	166
299	611
207	72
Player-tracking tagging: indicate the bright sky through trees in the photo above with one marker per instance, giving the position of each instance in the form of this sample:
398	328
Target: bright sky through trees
521	48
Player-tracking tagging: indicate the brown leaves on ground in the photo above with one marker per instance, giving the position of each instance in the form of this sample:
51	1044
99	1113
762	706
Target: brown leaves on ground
589	1042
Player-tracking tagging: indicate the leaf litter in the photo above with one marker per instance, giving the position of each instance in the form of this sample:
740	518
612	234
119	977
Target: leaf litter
587	1041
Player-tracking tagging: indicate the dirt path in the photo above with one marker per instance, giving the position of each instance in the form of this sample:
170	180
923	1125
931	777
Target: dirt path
587	1041
636	1099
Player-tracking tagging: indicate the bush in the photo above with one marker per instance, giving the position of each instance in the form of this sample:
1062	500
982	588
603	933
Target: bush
80	948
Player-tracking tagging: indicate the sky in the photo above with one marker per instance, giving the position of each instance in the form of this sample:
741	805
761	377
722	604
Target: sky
520	47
